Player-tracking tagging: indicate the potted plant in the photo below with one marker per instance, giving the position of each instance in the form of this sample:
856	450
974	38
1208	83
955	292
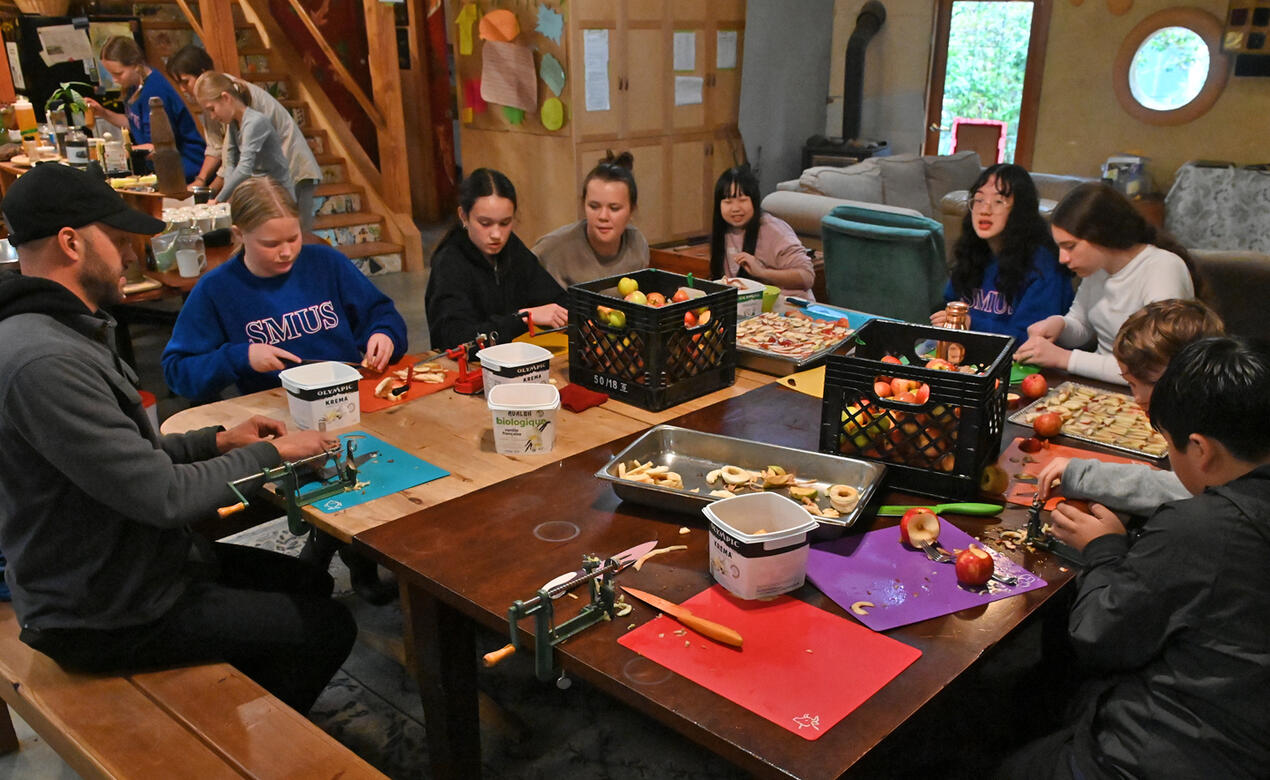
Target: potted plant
66	96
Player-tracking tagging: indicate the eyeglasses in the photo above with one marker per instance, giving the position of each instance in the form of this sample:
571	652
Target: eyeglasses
992	206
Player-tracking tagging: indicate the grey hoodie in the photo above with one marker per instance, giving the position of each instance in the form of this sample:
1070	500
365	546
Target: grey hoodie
94	504
1129	487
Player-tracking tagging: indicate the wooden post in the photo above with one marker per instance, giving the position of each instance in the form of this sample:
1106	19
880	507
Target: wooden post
219	34
381	43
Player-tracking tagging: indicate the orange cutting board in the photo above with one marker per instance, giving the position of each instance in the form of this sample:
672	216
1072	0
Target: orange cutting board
372	403
800	667
1016	462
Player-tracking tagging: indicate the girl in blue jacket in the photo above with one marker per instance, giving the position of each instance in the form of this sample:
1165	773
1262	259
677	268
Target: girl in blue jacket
1005	264
275	303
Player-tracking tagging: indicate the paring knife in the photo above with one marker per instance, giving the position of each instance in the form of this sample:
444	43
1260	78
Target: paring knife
980	510
707	628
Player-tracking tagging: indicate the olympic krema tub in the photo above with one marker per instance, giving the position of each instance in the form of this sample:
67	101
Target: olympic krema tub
758	544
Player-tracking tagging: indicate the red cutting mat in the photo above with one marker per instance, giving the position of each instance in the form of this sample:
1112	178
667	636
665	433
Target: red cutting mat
372	403
801	667
1016	462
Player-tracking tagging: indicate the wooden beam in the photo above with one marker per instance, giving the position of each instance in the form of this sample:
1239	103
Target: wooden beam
193	20
385	75
337	67
221	38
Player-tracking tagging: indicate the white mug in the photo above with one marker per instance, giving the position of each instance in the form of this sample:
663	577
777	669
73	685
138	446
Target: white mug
190	262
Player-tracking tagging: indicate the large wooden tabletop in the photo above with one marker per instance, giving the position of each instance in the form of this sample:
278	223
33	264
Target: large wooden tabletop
456	574
454	432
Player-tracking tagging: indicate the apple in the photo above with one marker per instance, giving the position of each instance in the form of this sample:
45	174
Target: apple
603	312
882	389
1077	504
923	393
626	286
905	397
690	319
617	318
703	315
656	299
993	480
1048	425
900	386
637	297
974	567
891	359
1012	400
1034	386
939	364
919	524
680	296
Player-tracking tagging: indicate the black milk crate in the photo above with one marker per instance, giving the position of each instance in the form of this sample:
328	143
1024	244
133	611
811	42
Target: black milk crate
654	360
937	447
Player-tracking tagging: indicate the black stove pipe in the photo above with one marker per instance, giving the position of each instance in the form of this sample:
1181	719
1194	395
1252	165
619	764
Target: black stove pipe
867	23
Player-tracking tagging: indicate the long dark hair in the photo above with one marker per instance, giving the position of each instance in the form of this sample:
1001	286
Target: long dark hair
733	182
1025	231
1100	214
481	183
615	168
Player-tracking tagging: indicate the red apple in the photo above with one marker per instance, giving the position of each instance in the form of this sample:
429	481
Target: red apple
974	566
1048	425
922	393
1012	400
939	364
899	386
882	389
703	316
690	319
656	299
905	397
919	524
1034	386
680	295
891	359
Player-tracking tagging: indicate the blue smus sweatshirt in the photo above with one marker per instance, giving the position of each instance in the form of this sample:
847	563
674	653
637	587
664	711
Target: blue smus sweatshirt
1047	290
322	309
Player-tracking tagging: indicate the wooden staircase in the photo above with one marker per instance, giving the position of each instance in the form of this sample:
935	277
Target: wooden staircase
343	215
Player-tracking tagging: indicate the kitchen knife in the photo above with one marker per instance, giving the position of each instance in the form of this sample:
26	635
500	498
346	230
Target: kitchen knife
854	318
706	628
980	510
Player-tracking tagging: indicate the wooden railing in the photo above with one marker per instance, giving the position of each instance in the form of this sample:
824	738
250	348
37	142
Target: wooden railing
388	184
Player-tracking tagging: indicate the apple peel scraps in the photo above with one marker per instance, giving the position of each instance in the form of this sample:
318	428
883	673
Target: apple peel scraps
861	607
659	551
648	474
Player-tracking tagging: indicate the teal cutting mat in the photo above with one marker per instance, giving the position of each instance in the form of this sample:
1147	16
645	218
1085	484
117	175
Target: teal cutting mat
391	471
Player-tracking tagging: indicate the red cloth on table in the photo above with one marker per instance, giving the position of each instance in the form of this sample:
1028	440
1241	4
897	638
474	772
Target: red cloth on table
577	398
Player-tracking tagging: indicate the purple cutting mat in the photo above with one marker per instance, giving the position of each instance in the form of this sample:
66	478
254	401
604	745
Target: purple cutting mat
905	585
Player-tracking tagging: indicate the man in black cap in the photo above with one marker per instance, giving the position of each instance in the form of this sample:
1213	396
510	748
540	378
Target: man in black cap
95	504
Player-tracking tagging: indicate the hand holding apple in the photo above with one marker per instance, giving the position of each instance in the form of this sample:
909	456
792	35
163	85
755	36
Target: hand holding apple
1049	472
1072	524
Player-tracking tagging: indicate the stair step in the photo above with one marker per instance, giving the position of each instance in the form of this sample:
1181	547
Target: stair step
370	248
346	229
337	188
374	258
322	221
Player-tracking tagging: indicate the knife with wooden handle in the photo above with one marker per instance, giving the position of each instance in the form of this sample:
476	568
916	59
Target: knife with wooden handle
707	628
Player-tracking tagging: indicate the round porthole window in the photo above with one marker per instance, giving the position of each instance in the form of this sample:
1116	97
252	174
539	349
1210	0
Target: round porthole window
1170	68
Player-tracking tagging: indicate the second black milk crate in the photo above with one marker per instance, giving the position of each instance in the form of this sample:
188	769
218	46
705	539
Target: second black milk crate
652	356
934	429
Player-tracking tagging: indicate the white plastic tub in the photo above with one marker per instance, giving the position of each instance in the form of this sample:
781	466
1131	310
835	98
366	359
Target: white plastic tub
515	361
749	296
524	417
323	396
758	544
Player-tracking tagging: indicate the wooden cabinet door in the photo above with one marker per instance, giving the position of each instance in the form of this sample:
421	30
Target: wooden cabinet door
603	122
688	199
650	177
645	79
646	10
723	85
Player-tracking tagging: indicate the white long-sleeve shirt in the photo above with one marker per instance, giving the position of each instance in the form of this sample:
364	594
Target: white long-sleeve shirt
1104	301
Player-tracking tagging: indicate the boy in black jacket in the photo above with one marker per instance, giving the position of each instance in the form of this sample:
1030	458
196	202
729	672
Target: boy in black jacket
1176	620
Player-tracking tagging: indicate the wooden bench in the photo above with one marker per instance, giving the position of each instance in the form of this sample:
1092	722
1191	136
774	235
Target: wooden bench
208	721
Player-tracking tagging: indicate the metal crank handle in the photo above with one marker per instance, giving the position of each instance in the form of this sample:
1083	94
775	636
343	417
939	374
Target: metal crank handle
493	657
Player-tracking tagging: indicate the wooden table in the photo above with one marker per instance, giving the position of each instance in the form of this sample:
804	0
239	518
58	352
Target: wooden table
504	559
454	432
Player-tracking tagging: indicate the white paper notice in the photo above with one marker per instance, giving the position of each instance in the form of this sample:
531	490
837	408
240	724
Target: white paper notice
725	48
595	58
15	69
685	51
688	90
64	43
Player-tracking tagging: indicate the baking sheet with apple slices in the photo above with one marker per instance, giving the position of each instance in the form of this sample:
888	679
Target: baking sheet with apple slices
1099	417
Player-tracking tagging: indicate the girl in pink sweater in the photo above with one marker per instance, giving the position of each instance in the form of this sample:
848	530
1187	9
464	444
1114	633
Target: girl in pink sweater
748	243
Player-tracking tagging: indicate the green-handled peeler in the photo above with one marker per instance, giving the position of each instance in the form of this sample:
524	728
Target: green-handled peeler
983	510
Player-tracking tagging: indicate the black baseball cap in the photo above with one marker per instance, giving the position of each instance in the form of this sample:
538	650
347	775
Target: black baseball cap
51	196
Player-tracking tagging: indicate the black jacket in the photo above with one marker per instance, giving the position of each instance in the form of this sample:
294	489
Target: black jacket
468	295
1178	619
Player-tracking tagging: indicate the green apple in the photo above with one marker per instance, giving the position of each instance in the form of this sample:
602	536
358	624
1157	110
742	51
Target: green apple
637	297
627	286
617	318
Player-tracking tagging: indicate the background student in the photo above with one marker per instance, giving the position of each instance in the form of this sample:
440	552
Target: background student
1005	264
276	302
252	147
1145	345
605	243
190	62
483	276
748	242
1124	264
123	60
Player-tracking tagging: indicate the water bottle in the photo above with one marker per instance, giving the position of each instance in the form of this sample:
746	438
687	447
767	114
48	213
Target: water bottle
191	255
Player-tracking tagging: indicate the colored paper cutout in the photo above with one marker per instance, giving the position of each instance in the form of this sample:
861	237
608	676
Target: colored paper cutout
552	114
514	115
472	96
550	23
552	73
508	77
464	20
500	25
466	116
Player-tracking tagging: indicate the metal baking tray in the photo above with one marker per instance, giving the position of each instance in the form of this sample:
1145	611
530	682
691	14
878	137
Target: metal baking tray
777	365
1017	419
692	454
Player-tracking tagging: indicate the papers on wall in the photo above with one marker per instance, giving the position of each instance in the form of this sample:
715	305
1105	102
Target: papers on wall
685	50
688	90
15	69
595	59
508	77
552	73
550	23
725	50
63	43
